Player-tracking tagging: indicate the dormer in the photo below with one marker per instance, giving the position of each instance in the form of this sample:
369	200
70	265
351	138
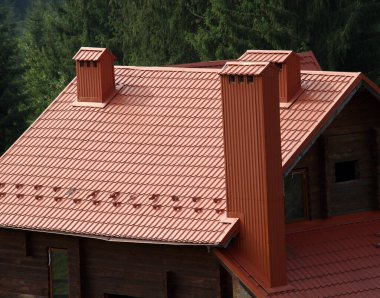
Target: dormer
288	63
95	77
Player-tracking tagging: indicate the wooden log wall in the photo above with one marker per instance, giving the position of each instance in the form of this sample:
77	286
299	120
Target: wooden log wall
99	267
24	263
376	162
349	137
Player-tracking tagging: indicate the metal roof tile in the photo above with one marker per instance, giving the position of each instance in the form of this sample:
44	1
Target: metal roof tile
161	134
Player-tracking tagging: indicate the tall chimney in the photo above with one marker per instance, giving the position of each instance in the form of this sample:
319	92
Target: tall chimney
95	76
252	147
288	63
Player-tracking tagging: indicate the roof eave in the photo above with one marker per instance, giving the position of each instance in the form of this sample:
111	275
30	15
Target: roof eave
225	240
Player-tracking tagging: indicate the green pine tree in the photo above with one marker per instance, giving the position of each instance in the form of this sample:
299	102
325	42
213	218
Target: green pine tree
153	32
229	27
12	121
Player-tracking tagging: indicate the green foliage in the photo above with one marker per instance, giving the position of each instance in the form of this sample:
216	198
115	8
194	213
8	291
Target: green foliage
44	73
229	27
152	32
11	119
54	32
344	35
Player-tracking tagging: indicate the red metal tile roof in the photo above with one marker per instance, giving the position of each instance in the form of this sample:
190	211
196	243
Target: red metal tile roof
334	261
336	257
97	172
308	61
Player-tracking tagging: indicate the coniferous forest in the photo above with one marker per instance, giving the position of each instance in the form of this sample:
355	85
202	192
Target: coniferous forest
38	38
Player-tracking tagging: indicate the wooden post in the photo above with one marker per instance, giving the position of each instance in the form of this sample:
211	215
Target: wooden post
325	197
375	145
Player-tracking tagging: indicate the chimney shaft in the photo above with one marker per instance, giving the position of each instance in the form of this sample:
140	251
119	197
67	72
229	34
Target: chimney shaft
289	78
253	167
95	76
288	63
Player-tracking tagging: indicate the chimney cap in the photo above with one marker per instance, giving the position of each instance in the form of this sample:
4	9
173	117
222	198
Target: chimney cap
266	56
244	68
91	54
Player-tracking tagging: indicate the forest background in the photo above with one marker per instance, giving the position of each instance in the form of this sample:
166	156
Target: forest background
38	39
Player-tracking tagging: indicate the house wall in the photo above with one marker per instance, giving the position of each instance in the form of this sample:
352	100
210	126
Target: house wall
97	267
351	136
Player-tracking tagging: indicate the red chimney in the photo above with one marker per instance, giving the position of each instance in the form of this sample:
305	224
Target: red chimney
288	62
251	121
95	76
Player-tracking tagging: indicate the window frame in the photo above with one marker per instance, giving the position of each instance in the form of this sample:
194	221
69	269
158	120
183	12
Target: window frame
50	249
355	163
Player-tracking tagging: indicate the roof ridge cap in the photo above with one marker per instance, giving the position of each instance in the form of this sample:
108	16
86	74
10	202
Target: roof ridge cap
169	68
92	48
248	63
270	51
328	72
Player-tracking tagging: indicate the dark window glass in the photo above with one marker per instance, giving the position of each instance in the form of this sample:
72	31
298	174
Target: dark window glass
241	79
250	79
232	79
295	187
81	63
59	273
94	64
346	171
88	64
279	65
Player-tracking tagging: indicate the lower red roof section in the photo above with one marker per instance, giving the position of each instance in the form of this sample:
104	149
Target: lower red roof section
341	260
336	257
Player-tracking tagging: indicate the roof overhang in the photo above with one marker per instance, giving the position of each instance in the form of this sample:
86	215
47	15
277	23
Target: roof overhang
223	243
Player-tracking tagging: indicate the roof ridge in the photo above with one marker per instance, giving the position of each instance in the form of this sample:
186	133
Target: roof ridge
270	51
328	72
263	63
93	48
169	68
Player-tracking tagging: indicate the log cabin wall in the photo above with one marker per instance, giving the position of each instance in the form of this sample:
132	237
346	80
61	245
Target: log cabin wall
24	263
99	267
352	136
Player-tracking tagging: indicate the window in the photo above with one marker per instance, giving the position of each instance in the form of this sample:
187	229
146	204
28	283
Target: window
81	63
346	171
94	64
250	79
241	79
279	65
232	79
296	199
88	64
58	273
